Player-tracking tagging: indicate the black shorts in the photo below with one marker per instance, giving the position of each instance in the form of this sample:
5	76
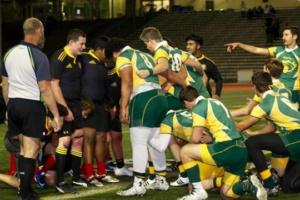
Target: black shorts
69	127
115	124
97	119
26	117
12	145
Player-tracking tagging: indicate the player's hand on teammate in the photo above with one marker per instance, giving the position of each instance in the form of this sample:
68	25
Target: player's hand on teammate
58	123
70	116
143	73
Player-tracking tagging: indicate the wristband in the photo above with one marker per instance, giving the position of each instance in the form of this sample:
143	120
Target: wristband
150	70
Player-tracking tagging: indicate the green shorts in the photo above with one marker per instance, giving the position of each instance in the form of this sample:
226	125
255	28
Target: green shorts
148	109
174	103
291	141
232	155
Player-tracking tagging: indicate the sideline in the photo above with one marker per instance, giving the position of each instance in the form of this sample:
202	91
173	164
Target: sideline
88	191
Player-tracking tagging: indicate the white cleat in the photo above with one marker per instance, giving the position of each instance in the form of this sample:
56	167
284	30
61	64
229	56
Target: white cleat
108	179
195	195
181	181
259	190
124	171
136	189
160	183
148	184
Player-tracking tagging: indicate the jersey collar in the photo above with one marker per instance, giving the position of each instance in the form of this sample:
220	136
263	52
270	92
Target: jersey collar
290	50
199	99
266	93
162	43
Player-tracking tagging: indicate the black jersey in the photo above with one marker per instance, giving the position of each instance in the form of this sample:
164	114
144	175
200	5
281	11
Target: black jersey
94	77
67	68
211	71
114	82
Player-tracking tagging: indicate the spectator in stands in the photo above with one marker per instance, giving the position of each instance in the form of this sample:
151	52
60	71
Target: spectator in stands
250	14
243	9
194	43
266	11
272	10
255	12
260	11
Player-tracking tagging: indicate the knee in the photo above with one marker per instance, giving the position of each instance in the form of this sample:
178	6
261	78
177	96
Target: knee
77	142
117	136
184	152
101	137
88	140
64	142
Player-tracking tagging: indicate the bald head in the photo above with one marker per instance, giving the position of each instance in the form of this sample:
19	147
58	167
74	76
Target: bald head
31	25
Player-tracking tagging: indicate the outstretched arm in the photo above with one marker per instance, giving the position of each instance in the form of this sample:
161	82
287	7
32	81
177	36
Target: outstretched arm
248	48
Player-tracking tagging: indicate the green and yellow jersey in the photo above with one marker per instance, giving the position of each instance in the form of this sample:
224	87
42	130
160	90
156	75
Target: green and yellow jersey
139	61
279	88
213	115
279	111
178	123
291	61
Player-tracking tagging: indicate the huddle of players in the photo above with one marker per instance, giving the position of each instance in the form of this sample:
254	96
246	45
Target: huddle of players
210	113
205	112
229	149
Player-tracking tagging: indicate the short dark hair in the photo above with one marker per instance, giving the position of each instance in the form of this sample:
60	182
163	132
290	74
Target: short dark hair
197	38
100	42
189	93
275	67
62	110
74	35
262	81
114	45
294	30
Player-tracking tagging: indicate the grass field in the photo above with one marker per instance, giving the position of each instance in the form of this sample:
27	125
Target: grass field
231	98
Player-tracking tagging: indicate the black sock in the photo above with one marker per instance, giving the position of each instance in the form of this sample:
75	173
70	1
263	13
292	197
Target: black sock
26	174
76	162
120	163
60	166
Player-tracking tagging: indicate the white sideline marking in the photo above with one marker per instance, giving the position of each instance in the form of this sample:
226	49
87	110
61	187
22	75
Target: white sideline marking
87	192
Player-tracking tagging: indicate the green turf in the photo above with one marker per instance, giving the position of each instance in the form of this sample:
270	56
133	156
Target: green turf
232	99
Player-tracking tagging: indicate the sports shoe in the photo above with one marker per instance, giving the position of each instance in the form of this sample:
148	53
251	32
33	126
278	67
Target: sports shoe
82	183
70	172
181	181
257	188
273	192
160	183
110	166
95	182
40	180
276	178
173	167
199	194
64	187
107	178
124	171
137	188
245	176
148	184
